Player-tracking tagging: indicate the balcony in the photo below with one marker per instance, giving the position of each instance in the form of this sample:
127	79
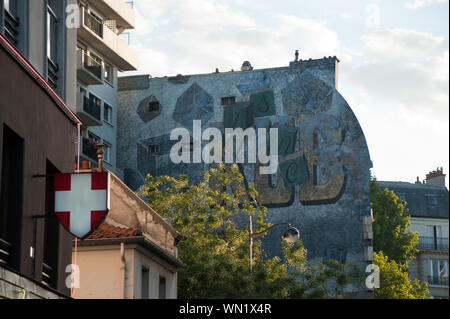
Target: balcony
89	150
107	42
11	27
433	243
119	10
89	71
88	111
438	281
5	252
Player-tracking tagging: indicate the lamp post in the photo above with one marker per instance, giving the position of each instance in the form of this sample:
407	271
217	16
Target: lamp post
291	234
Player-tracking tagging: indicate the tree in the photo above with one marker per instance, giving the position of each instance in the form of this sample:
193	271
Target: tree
391	233
394	245
216	249
395	282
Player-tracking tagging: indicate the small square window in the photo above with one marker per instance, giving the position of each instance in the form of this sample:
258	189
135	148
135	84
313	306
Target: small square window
153	149
153	106
229	100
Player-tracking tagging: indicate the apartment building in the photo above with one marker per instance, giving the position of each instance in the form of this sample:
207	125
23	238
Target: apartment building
38	135
428	206
102	52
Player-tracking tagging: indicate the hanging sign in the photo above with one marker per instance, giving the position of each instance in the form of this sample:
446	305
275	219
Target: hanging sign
82	201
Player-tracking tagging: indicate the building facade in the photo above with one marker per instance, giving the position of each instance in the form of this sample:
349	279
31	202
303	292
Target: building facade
428	207
38	136
102	52
132	255
322	183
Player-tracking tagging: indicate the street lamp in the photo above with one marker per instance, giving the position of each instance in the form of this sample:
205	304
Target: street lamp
291	235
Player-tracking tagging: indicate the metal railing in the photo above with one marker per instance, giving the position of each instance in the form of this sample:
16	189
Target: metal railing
91	108
89	149
47	274
92	66
93	24
5	251
436	280
433	243
52	73
11	27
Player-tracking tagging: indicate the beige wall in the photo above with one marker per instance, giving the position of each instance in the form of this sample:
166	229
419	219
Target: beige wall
101	273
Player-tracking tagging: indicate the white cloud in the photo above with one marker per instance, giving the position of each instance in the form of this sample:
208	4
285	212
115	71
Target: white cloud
416	4
401	43
406	68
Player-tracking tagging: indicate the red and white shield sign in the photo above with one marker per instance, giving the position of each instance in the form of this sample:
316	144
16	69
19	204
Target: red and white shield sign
81	201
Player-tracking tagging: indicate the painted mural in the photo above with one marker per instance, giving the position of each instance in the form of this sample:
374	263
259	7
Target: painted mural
322	182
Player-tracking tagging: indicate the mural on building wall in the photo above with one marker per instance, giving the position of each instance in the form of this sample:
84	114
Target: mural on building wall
322	182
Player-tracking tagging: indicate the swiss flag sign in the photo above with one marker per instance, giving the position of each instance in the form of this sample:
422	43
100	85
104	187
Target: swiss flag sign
81	201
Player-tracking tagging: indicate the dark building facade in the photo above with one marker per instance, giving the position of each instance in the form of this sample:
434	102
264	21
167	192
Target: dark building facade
38	135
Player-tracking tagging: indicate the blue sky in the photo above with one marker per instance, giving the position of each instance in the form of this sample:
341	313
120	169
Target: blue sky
393	70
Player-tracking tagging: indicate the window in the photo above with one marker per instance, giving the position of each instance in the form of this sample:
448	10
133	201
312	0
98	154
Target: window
52	22
228	100
153	106
153	149
107	152
431	200
438	272
162	287
145	283
51	231
109	76
11	6
11	198
107	113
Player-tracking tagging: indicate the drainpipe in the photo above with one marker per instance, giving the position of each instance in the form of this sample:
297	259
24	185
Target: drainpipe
124	268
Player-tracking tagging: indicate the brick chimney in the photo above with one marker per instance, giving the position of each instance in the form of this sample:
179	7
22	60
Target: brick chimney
436	177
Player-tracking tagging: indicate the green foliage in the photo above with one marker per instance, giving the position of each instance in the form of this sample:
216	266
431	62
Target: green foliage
394	245
391	233
216	250
395	282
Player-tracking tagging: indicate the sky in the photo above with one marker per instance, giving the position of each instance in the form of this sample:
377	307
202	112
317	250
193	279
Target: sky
393	70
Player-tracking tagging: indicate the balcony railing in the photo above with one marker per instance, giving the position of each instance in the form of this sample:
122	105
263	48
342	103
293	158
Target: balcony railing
52	73
93	66
89	149
5	252
91	108
436	280
93	23
11	27
433	243
47	274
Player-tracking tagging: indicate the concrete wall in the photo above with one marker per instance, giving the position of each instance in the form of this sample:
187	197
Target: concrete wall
329	195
